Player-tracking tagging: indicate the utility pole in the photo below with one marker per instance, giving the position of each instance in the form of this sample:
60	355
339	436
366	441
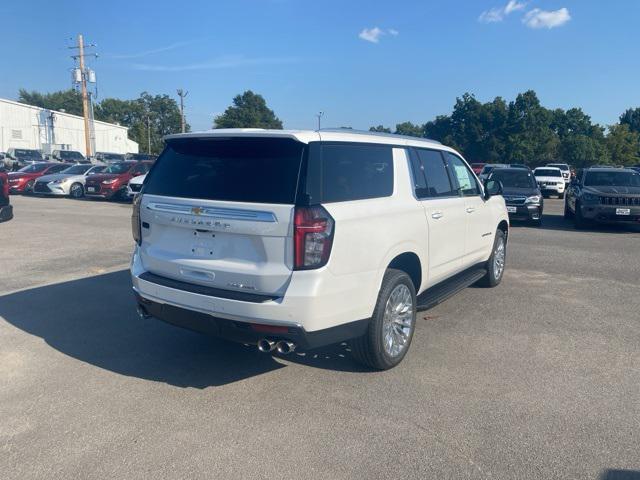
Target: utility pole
148	135
319	115
182	94
85	96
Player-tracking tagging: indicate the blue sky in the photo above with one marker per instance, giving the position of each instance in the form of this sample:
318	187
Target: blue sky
361	62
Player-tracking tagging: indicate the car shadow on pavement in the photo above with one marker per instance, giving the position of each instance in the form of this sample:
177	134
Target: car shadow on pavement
94	320
620	475
558	222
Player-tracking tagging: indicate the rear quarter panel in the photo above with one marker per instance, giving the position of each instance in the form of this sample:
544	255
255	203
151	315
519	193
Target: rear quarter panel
370	233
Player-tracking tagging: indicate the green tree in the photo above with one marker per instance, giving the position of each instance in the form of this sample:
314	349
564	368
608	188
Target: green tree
380	129
582	150
410	129
623	145
531	139
439	129
68	100
249	110
632	118
161	112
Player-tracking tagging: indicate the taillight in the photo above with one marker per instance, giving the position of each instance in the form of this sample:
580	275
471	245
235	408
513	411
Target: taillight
135	220
312	236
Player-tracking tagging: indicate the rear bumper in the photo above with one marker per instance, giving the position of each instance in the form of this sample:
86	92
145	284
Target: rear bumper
609	213
249	333
315	300
6	213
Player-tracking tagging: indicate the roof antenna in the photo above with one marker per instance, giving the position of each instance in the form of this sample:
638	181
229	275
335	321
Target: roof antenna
319	115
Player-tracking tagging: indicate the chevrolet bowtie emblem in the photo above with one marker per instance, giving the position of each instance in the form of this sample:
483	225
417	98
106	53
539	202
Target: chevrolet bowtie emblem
196	210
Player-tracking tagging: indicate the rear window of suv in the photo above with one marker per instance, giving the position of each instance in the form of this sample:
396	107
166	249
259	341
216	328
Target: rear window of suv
356	172
255	170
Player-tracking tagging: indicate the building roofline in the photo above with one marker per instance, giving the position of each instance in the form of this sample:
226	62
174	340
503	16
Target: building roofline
58	112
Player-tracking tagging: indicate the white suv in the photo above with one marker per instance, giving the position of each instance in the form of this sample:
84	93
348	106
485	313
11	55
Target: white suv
550	181
300	239
566	171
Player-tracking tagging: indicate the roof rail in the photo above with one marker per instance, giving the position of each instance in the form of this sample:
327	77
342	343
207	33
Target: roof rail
377	134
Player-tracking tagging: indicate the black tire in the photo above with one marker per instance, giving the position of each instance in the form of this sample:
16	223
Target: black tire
120	195
567	212
537	223
28	188
561	195
369	349
578	220
494	275
76	190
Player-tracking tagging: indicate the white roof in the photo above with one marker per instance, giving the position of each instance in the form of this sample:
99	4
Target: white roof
306	136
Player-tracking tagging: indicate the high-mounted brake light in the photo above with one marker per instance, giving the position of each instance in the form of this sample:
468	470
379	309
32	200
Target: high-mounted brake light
312	236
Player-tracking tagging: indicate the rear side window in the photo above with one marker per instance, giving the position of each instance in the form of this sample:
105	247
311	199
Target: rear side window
258	170
436	175
356	172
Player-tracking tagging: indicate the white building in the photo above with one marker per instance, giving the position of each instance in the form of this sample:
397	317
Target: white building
24	126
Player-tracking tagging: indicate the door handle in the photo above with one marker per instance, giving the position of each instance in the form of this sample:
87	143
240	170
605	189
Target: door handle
437	215
470	209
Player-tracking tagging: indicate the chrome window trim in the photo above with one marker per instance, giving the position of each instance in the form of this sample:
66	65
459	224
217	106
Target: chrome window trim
214	212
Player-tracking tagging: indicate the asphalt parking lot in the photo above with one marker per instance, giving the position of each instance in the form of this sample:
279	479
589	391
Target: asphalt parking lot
539	378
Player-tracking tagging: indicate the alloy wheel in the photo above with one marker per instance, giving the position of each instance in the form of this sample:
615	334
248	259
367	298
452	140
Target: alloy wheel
397	321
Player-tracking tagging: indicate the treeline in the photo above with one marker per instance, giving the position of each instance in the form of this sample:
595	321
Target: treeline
147	117
523	131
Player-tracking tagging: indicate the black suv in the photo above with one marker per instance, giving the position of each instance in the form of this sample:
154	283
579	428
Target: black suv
521	193
605	195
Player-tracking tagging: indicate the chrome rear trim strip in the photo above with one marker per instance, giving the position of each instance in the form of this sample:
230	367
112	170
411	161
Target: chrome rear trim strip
214	212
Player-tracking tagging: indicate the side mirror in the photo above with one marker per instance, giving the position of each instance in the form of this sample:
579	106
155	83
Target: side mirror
492	188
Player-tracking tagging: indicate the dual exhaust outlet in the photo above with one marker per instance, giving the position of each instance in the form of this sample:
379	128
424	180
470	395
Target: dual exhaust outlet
283	347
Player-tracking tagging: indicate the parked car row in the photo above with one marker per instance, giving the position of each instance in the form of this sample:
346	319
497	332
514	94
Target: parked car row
77	180
16	158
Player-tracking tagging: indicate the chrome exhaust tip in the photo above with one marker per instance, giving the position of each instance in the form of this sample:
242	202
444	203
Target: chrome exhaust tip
142	313
285	347
265	345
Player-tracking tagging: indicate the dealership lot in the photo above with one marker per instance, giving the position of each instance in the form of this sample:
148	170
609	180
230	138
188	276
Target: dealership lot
538	378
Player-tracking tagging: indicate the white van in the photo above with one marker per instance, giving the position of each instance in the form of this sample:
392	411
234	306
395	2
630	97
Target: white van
298	239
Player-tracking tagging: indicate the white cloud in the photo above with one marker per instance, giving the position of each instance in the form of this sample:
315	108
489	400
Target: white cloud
497	14
371	34
230	61
145	53
374	34
514	6
538	18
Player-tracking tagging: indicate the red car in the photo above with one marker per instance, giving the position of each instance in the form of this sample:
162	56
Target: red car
23	180
477	167
6	210
112	182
